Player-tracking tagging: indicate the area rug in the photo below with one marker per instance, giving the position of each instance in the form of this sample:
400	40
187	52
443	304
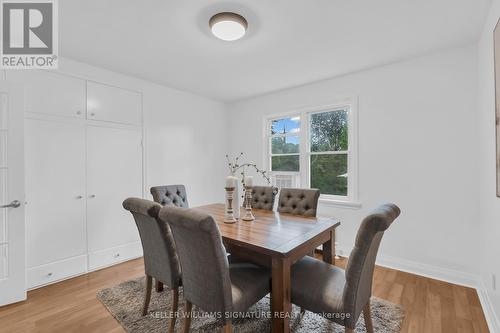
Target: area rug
125	301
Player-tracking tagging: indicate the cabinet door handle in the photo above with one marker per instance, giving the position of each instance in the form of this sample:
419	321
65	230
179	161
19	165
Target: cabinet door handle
79	197
13	204
92	196
78	112
92	114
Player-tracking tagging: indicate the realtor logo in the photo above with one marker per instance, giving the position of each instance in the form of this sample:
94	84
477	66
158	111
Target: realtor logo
29	34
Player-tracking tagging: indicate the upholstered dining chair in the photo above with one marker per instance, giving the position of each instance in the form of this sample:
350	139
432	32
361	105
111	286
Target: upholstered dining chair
298	201
170	195
209	280
322	288
160	256
263	197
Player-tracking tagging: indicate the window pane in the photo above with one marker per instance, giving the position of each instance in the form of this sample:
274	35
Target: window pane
329	131
285	163
285	125
285	145
329	174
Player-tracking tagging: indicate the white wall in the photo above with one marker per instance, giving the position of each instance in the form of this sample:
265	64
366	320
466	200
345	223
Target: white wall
185	139
417	148
489	203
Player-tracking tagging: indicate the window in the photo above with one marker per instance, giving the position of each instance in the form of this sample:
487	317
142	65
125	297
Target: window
316	148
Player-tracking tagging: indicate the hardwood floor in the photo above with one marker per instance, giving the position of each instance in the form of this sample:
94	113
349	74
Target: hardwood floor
71	305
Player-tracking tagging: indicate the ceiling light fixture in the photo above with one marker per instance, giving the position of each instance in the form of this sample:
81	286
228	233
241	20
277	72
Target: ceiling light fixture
228	26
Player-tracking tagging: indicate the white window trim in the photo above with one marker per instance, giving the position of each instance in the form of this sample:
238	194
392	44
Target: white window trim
349	201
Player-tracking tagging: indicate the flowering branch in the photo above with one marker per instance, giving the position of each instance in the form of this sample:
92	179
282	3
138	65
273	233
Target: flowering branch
235	166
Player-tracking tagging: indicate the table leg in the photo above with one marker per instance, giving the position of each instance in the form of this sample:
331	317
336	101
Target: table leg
281	304
329	249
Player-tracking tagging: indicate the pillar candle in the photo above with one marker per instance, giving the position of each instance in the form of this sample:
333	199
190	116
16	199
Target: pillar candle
248	181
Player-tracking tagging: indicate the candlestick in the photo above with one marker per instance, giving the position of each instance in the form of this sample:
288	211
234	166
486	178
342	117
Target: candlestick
248	204
229	211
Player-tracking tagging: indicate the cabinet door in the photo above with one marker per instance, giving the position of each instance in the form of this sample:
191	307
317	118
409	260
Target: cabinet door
55	190
113	104
114	173
52	93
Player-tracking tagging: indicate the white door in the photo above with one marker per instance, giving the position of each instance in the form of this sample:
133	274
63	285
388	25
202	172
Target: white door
55	190
12	228
114	173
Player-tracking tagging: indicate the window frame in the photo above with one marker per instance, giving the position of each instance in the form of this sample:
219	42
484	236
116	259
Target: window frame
304	175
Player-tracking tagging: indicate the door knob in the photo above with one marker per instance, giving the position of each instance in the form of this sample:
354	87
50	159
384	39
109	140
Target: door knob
13	204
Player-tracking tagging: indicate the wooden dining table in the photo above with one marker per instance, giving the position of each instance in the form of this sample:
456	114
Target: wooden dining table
276	240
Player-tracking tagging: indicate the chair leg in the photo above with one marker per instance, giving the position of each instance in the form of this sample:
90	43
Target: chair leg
147	295
302	311
228	328
187	315
349	330
175	307
367	313
159	286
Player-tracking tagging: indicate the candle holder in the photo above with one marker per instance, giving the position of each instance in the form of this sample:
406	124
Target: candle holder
229	211
248	205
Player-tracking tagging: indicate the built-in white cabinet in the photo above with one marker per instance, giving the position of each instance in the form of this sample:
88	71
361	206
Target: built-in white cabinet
78	172
55	190
108	103
114	162
52	93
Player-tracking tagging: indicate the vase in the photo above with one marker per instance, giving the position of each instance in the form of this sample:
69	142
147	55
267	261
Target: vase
237	201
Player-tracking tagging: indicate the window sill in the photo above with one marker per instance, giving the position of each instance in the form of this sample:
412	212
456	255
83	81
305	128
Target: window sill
340	203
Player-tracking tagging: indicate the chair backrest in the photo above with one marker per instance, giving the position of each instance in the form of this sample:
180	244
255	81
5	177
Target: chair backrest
170	195
263	197
205	268
298	201
361	263
160	255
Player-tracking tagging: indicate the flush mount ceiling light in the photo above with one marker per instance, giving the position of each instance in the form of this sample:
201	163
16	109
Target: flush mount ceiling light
228	26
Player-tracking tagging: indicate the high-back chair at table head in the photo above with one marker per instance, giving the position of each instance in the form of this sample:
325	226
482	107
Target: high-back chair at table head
175	195
160	256
322	288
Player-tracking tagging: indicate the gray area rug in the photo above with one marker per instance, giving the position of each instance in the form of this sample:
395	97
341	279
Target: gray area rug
125	300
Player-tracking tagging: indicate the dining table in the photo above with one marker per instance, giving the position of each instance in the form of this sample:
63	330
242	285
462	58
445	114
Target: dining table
276	240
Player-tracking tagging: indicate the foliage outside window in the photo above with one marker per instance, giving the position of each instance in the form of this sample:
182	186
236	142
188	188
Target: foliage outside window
285	144
329	152
315	146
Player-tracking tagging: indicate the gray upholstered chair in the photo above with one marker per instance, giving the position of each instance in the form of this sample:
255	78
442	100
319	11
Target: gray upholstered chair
263	197
298	201
209	281
160	256
170	195
322	288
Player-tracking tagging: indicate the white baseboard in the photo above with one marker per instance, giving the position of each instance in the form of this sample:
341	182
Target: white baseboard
489	312
418	268
442	274
430	271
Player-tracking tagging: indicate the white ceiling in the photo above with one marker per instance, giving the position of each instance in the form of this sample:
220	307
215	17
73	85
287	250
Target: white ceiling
289	42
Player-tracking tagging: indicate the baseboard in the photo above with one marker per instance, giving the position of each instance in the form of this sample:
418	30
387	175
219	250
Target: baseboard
443	274
489	313
418	268
430	271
